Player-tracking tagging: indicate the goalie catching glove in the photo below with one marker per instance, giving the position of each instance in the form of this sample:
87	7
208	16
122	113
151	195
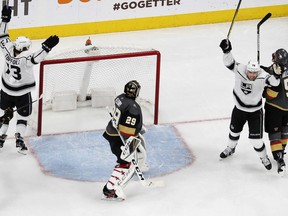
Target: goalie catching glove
128	150
50	42
8	115
6	13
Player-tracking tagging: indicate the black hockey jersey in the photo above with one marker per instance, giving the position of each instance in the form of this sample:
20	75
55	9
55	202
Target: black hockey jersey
278	96
128	117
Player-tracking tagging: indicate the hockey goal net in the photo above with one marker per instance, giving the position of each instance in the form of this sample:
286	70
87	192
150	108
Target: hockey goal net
91	76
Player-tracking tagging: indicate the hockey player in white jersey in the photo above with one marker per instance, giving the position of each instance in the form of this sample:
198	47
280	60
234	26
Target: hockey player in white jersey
250	81
18	78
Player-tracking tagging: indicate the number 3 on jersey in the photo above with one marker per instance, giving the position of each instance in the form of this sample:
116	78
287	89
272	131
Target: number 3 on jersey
15	70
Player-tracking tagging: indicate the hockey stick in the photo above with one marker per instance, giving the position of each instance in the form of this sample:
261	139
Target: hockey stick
25	106
267	16
28	104
233	20
138	171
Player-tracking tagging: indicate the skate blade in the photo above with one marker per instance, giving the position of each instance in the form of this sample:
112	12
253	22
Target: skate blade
154	184
23	152
118	199
282	172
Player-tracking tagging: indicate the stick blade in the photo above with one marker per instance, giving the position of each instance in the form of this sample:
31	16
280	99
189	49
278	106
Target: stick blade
153	184
266	17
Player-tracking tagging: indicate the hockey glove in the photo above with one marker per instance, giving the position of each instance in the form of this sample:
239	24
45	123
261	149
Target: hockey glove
143	130
49	43
115	117
114	123
8	115
226	46
6	13
277	70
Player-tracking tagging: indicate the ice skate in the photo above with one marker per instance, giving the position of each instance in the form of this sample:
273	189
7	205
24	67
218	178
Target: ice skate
20	145
227	152
2	140
113	195
281	167
266	162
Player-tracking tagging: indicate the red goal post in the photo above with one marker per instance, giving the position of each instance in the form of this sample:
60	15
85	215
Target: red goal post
116	57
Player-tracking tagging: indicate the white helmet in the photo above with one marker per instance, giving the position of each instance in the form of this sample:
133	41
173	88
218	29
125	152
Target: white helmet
253	66
22	43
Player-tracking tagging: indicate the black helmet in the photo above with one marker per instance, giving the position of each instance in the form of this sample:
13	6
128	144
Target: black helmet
132	89
280	57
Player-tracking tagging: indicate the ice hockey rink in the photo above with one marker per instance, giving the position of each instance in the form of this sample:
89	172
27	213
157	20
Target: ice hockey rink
196	100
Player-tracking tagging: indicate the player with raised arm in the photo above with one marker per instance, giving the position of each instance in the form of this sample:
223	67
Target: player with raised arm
126	123
18	78
250	81
276	108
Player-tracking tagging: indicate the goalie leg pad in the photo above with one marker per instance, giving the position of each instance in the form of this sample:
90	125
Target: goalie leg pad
120	176
142	155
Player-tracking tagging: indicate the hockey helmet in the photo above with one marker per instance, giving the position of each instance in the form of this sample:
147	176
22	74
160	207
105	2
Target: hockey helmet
22	43
253	67
132	89
280	57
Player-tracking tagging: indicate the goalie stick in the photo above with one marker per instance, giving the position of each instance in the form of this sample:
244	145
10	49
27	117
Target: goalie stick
138	171
233	20
264	19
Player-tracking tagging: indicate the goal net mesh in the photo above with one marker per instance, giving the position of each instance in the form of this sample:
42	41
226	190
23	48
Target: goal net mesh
92	68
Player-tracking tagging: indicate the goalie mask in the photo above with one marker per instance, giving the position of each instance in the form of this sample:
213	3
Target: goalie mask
280	57
22	43
132	89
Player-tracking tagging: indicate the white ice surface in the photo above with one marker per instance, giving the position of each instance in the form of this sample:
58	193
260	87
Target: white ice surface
195	96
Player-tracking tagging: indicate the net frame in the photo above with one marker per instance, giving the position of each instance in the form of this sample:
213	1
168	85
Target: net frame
155	53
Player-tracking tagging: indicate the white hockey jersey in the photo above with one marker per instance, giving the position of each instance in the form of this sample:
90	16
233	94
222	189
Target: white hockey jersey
248	94
18	76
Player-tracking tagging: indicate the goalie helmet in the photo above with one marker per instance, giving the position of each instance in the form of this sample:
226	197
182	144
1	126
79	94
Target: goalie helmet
253	67
280	57
22	43
132	89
